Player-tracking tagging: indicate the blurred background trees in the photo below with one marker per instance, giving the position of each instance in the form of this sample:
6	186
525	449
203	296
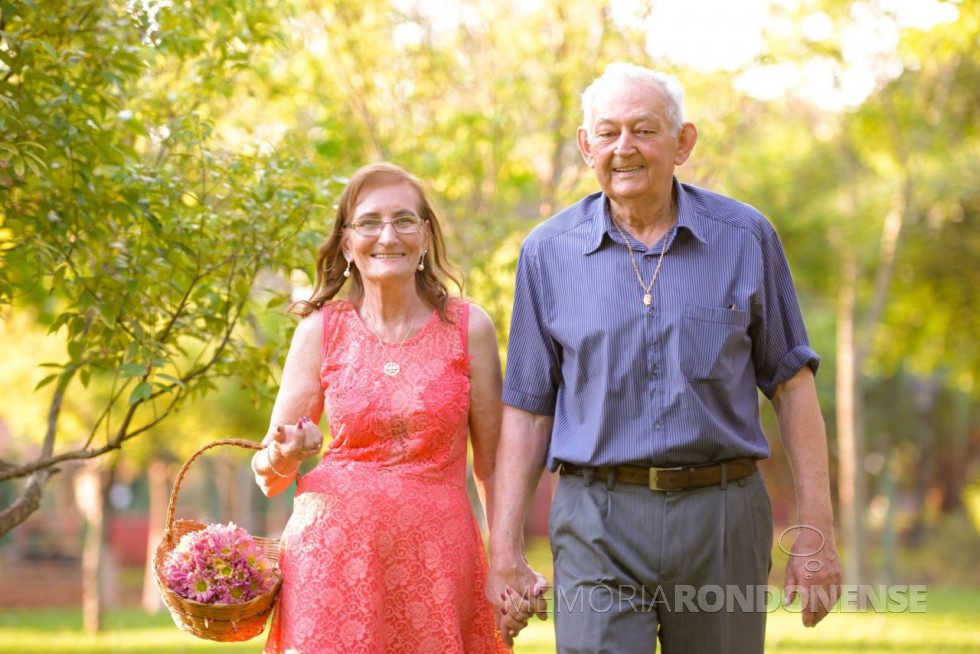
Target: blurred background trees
167	170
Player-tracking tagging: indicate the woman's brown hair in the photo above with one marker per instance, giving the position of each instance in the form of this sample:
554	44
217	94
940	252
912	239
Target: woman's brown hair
330	262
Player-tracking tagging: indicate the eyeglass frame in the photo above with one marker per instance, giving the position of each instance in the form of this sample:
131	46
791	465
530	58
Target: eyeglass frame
416	221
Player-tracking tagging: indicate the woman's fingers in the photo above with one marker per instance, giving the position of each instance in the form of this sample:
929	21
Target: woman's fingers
299	441
510	624
312	436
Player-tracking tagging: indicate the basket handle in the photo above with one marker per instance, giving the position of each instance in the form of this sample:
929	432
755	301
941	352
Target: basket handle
172	506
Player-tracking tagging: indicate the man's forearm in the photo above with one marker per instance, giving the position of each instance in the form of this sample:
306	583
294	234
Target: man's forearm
804	436
521	455
805	440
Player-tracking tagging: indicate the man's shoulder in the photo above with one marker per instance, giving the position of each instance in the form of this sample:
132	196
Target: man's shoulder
725	211
574	219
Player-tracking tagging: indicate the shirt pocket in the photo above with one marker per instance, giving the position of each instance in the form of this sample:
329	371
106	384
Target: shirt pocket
713	340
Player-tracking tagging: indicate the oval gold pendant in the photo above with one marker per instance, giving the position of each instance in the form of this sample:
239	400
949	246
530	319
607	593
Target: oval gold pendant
647	299
391	369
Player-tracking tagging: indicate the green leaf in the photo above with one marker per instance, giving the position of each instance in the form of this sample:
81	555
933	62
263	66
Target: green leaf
130	370
58	322
141	393
277	300
75	349
76	327
44	382
171	379
34	162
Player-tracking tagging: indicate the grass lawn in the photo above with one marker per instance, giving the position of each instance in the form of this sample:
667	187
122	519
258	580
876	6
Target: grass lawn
949	624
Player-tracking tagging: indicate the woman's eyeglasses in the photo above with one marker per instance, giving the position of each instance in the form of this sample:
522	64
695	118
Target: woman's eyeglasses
374	226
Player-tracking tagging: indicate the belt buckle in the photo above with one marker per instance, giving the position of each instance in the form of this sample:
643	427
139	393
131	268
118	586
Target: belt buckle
655	480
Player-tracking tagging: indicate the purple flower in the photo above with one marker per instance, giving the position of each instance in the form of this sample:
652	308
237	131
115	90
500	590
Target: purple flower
220	564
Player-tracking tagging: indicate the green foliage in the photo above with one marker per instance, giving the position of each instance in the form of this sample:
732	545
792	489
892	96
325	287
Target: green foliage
933	318
141	232
161	163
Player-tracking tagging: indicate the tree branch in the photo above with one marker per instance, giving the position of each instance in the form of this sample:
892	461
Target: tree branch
30	497
27	503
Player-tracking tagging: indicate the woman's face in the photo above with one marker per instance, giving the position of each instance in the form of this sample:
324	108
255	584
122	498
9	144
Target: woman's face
391	255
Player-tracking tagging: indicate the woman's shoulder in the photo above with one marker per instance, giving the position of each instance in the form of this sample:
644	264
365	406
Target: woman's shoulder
456	306
315	320
479	324
338	305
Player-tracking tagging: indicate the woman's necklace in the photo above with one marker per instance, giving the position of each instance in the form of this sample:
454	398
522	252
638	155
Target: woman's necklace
647	296
391	368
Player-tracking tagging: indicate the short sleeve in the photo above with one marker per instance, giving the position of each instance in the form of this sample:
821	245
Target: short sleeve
533	360
780	344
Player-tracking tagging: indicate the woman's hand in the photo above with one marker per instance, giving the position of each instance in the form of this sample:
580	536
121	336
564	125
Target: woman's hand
296	442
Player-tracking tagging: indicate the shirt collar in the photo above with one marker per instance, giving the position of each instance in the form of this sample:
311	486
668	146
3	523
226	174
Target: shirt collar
601	223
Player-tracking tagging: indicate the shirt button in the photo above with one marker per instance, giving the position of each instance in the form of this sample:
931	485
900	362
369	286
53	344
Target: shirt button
658	424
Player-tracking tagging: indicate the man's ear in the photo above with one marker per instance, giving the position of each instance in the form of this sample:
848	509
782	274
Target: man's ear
585	147
686	140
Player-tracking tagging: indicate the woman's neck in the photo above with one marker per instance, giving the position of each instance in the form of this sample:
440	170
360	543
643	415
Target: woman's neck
391	310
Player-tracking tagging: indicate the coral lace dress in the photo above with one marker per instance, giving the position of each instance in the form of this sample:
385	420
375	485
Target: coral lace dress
382	552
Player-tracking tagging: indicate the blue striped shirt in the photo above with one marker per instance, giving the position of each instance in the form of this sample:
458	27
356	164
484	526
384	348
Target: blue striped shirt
669	384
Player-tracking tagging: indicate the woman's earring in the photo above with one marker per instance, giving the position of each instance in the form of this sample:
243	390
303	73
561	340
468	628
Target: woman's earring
422	260
347	270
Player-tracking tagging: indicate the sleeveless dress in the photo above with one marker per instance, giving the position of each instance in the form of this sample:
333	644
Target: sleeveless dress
382	552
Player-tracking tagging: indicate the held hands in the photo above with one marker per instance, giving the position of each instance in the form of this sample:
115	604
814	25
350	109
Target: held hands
516	594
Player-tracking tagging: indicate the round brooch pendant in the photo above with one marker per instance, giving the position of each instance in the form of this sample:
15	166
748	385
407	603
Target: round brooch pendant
391	369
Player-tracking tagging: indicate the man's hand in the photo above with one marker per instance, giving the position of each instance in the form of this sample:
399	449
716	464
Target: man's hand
516	592
813	570
814	573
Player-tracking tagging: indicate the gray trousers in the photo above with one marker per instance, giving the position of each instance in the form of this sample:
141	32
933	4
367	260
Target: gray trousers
633	565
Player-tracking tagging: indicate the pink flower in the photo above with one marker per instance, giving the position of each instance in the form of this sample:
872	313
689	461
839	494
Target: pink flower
220	564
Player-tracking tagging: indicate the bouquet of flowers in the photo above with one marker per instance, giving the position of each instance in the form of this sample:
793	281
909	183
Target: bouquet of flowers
220	564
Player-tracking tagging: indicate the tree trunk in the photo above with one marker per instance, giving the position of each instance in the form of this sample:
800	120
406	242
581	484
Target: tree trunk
159	497
90	497
924	402
850	442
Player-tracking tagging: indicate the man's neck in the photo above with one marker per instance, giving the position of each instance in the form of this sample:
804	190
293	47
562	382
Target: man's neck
646	221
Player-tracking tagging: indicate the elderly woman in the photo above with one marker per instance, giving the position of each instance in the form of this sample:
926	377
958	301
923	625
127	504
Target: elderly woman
382	552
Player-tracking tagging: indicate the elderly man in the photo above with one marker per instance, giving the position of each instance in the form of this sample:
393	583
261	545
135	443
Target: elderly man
645	318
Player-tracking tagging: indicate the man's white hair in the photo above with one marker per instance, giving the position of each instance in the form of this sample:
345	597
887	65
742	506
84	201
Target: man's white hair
622	71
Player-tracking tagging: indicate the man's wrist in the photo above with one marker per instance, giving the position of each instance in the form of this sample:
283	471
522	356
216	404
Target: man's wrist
507	558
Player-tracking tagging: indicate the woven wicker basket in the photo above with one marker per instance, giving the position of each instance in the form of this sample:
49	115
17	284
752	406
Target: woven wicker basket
221	622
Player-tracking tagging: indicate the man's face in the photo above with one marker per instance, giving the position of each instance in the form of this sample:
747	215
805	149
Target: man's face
629	144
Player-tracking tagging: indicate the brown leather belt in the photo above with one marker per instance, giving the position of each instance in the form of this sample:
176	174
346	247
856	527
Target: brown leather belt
668	479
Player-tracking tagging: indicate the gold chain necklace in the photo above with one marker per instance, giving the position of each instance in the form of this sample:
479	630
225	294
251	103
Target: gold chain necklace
390	368
647	297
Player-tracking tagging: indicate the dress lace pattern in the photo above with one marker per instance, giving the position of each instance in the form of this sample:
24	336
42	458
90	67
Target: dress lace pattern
382	552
